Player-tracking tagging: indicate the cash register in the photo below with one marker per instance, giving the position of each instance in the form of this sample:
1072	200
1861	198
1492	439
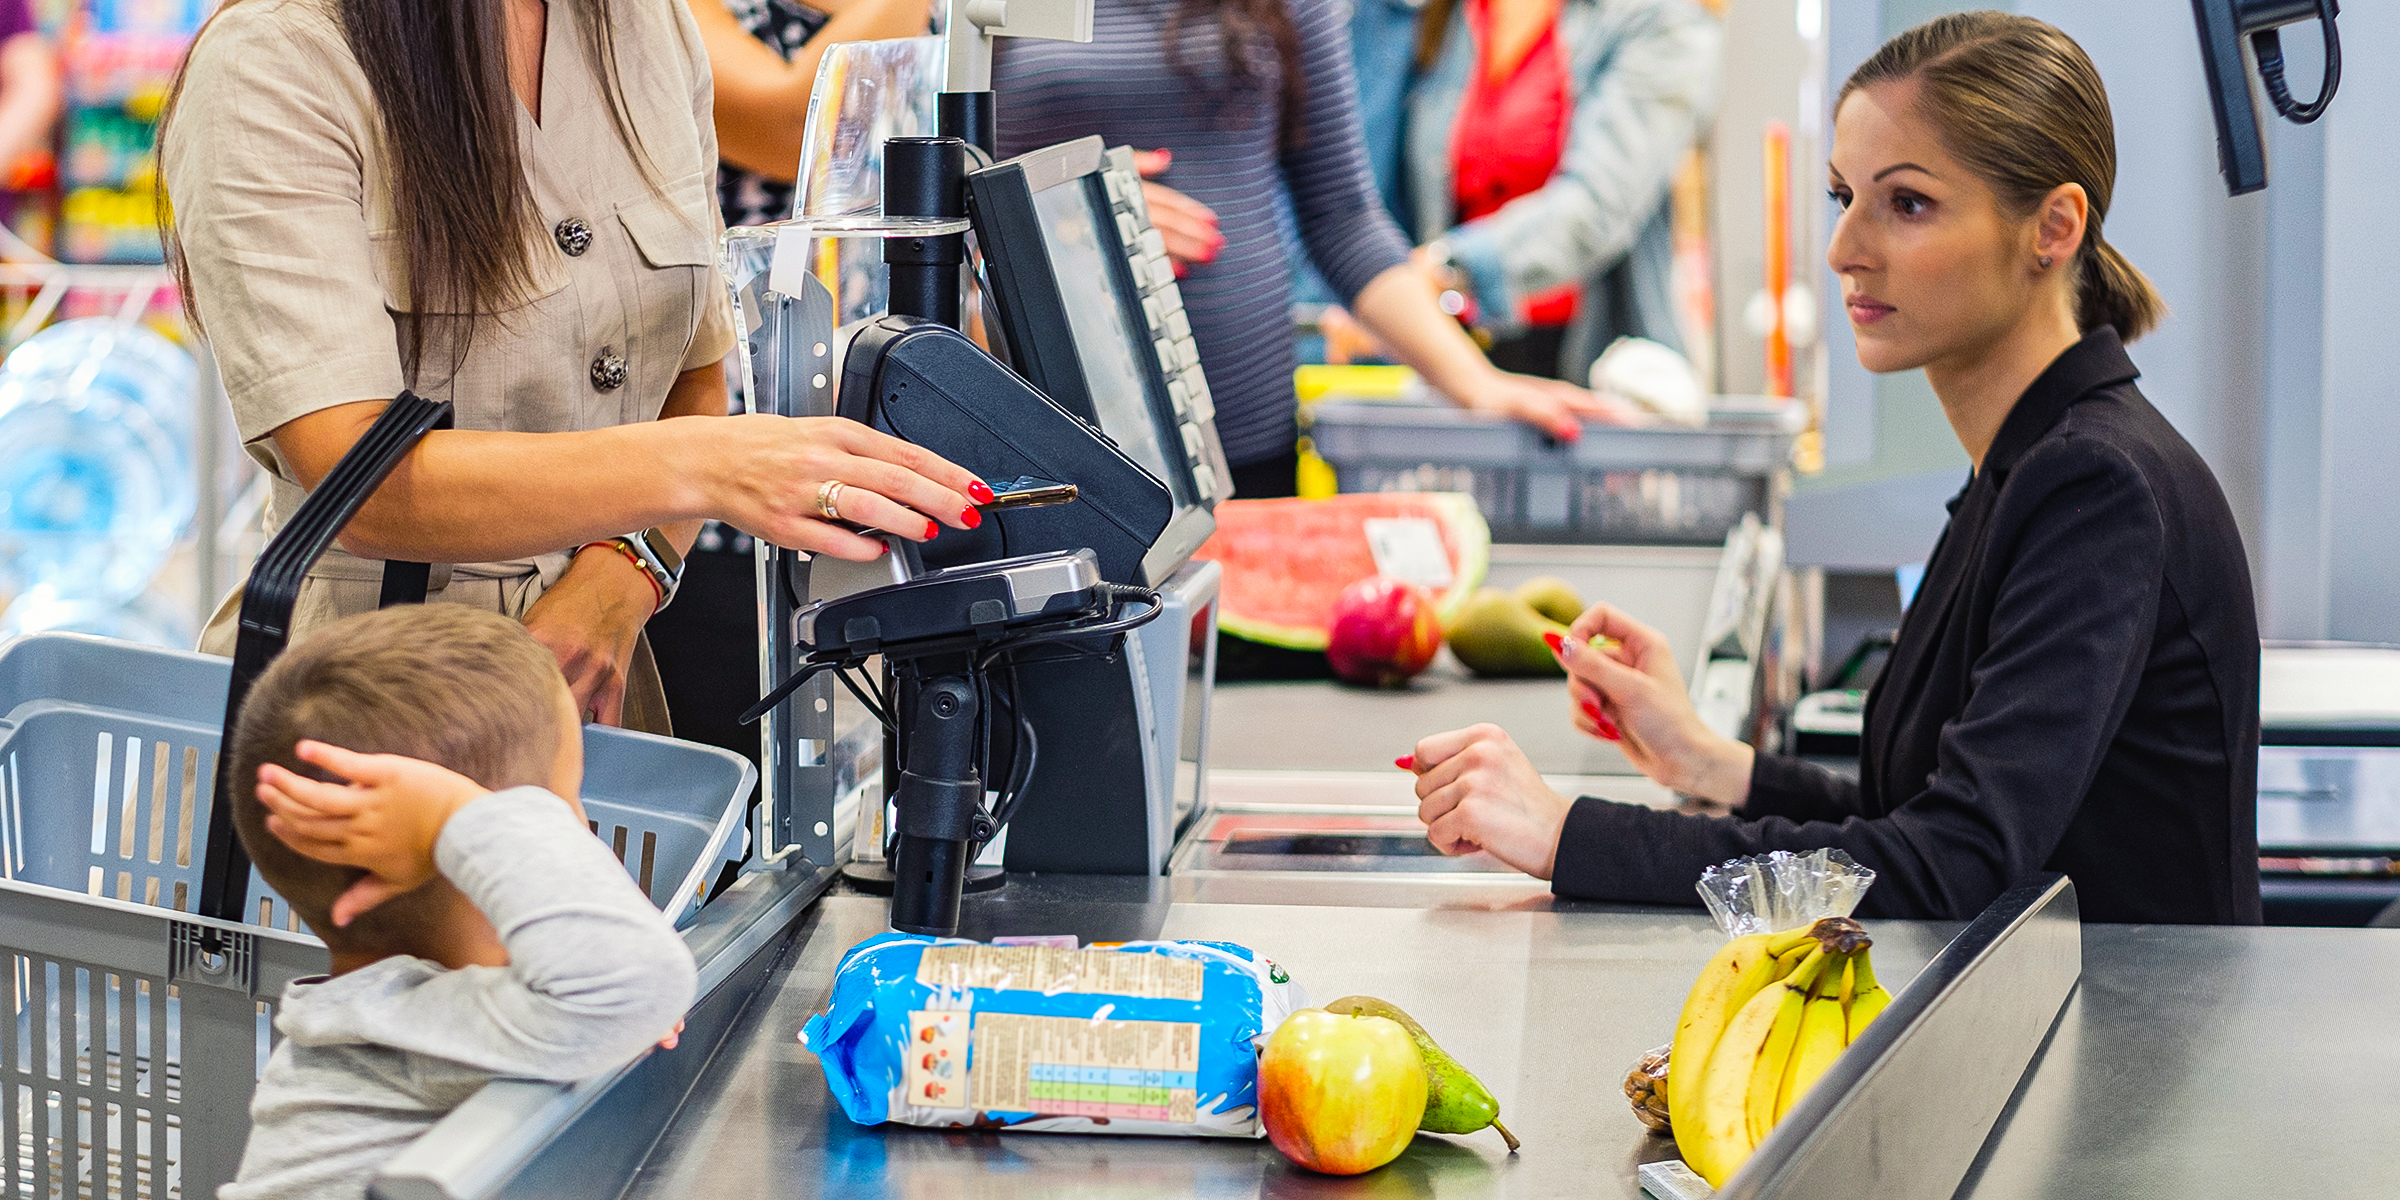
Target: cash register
1058	726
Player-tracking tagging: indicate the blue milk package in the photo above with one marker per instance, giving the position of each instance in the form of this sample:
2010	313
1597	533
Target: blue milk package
1157	1038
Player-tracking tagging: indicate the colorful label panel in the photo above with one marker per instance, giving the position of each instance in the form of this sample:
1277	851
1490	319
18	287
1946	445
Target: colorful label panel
1075	1067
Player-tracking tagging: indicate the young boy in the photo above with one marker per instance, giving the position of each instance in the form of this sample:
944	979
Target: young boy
406	779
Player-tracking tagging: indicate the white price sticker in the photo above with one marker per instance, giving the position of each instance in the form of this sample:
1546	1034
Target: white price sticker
1409	549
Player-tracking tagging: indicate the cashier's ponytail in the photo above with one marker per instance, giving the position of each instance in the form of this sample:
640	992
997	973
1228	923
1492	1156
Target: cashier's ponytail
2021	105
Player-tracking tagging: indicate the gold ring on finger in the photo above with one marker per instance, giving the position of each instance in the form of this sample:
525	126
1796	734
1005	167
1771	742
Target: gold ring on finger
829	496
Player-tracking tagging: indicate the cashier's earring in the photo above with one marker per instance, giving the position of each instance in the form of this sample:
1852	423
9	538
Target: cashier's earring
2045	261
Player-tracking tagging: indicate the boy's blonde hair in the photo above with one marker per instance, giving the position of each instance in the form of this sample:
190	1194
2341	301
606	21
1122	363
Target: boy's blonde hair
456	686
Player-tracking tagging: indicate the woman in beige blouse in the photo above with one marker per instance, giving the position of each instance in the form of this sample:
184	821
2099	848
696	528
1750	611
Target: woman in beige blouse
367	199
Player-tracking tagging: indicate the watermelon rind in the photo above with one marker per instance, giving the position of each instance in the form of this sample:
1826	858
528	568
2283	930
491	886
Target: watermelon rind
1473	544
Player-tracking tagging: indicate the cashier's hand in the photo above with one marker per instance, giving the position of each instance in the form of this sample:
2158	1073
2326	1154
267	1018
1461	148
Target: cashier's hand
1187	226
1477	791
1634	695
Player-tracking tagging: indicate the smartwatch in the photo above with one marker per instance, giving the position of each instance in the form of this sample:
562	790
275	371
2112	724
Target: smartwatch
655	555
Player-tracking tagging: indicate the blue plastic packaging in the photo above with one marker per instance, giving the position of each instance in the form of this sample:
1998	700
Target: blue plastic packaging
1157	1038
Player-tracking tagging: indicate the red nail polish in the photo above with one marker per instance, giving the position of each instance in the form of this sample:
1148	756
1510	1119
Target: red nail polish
979	492
1556	643
1406	762
970	517
932	528
1592	709
1609	730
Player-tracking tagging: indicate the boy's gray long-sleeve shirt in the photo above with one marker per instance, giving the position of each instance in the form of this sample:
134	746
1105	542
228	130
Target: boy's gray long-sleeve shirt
371	1059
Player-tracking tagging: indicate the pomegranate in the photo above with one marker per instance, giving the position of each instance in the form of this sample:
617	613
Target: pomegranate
1384	632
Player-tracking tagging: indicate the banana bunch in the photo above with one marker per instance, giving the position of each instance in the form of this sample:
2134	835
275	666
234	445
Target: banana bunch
1766	1018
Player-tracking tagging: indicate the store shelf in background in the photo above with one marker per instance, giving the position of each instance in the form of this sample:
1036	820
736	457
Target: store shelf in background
120	58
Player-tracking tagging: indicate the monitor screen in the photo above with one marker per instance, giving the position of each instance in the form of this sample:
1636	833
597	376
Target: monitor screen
1105	341
1088	311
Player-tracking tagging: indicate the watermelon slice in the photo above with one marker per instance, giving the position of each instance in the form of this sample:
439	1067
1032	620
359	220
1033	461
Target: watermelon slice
1286	560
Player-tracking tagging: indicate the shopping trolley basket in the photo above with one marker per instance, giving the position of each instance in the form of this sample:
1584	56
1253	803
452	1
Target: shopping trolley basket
140	1001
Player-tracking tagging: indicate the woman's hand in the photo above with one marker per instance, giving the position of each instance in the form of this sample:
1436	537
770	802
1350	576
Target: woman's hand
1634	695
765	474
385	819
1477	791
590	620
1188	226
1400	308
1553	406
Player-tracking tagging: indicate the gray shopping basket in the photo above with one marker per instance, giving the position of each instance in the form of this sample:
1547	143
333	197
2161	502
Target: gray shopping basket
137	1024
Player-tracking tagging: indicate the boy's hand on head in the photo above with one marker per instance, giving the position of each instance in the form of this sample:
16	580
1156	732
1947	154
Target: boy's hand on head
385	820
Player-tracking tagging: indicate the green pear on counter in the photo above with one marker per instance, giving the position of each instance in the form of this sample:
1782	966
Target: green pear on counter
1455	1101
1496	633
1552	597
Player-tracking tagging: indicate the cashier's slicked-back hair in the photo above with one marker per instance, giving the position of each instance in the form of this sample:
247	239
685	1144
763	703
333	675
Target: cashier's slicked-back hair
2020	104
456	686
438	70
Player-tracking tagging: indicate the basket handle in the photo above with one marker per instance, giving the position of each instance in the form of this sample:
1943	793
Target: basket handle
272	592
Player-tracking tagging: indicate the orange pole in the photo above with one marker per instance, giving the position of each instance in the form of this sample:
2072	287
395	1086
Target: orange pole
1778	253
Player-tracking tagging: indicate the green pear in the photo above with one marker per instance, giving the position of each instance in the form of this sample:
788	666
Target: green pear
1552	597
1455	1101
1496	633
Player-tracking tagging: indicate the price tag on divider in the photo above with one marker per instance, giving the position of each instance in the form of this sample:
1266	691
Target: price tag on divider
1409	549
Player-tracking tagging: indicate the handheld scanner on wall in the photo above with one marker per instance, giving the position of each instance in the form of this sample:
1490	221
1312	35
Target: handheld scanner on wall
928	384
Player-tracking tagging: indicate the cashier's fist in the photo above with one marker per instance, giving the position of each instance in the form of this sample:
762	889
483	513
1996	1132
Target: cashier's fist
1477	791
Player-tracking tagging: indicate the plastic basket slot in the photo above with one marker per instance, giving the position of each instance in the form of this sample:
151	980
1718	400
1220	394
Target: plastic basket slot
86	1092
147	780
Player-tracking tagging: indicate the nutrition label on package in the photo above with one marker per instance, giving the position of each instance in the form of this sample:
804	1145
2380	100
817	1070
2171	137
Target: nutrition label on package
1053	971
1076	1067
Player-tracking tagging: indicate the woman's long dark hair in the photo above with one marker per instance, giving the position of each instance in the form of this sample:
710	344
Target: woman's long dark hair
1250	30
438	70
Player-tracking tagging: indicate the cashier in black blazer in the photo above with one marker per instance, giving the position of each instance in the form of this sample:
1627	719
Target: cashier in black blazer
2075	687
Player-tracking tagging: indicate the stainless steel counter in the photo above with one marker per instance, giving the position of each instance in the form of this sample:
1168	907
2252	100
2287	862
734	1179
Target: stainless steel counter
2212	1062
2191	1063
1552	1007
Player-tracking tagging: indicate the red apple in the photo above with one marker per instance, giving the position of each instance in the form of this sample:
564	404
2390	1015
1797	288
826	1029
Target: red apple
1340	1094
1384	632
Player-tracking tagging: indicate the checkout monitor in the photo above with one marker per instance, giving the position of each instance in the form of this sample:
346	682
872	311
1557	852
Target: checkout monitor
1090	314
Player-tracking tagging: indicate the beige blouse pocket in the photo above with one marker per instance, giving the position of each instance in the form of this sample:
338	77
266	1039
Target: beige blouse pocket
674	229
389	252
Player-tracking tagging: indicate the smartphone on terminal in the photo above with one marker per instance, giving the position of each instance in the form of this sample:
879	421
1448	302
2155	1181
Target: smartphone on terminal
1027	492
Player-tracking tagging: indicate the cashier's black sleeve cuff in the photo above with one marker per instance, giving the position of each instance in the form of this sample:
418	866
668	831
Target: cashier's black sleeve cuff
1624	852
1798	790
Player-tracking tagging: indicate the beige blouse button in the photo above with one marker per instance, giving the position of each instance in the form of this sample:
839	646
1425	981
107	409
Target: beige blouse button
574	236
608	370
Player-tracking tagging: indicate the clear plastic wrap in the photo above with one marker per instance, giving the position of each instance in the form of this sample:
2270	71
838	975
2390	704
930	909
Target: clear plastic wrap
1769	893
1763	894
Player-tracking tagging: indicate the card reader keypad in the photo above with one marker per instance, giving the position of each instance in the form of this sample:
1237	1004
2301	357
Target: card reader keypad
1170	328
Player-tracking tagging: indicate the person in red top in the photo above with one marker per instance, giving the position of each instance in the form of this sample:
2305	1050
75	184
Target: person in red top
1542	138
1510	132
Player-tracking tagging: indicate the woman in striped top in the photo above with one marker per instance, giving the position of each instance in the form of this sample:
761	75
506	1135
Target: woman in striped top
1248	102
